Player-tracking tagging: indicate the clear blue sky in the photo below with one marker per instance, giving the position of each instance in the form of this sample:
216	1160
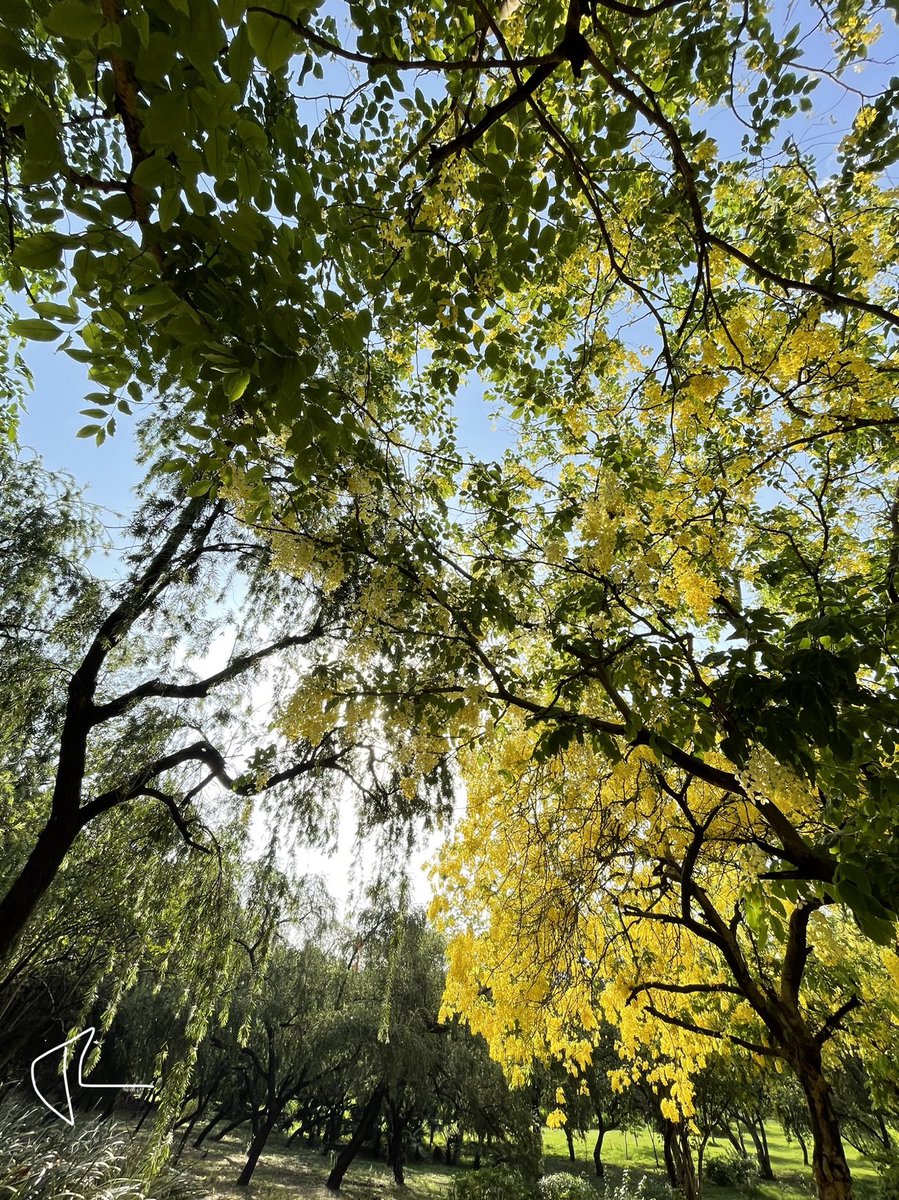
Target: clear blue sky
52	419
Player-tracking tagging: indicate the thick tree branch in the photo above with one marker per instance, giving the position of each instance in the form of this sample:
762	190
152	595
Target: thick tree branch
388	60
797	950
835	1020
754	1047
158	688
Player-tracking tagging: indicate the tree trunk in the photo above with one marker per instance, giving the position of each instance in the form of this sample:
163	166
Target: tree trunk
700	1159
832	1176
148	1104
396	1130
398	1149
188	1130
569	1138
361	1132
735	1139
885	1135
223	1133
107	1106
766	1171
679	1160
760	1143
803	1147
37	873
257	1145
597	1151
206	1130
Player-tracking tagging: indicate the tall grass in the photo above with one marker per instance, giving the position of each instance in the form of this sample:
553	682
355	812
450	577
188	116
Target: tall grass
41	1158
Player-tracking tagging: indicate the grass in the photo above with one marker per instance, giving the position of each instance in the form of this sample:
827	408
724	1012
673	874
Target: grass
296	1173
638	1152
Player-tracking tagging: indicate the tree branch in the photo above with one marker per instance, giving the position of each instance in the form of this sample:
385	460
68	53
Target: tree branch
202	687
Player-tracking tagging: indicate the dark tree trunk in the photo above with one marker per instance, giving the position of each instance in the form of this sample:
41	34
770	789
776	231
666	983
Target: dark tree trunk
832	1176
38	872
597	1151
752	1121
207	1130
569	1138
396	1145
109	1103
257	1145
187	1132
679	1160
885	1136
803	1147
398	1151
148	1104
700	1158
766	1171
348	1152
223	1133
735	1139
655	1148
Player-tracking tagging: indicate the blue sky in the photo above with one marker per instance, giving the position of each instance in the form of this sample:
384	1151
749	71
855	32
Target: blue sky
52	419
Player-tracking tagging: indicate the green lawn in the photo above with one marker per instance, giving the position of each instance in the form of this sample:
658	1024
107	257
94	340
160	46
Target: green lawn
298	1174
641	1153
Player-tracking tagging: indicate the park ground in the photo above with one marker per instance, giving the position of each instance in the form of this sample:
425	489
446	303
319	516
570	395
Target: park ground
298	1174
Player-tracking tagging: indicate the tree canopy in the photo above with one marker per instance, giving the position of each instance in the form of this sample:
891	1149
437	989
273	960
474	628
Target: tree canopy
655	641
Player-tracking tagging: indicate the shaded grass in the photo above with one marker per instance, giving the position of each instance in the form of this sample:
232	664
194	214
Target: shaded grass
296	1173
288	1173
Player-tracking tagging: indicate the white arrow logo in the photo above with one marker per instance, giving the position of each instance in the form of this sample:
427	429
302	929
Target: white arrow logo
88	1035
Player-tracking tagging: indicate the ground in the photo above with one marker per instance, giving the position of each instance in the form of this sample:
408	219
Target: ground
298	1174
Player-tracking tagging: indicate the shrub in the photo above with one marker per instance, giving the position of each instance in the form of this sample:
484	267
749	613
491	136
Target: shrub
640	1187
652	1187
41	1158
492	1183
564	1186
733	1171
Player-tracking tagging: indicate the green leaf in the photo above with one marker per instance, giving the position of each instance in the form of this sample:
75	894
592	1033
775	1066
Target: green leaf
74	19
47	308
236	385
169	208
232	11
504	137
87	431
140	18
154	171
39	252
34	330
273	41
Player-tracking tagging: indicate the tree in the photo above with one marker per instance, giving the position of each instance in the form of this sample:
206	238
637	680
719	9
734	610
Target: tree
105	717
580	882
691	552
288	1049
392	1005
